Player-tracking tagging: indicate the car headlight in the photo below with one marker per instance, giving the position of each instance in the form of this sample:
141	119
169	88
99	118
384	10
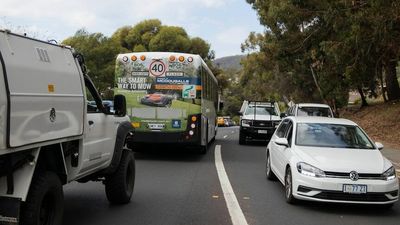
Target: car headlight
308	170
389	174
246	123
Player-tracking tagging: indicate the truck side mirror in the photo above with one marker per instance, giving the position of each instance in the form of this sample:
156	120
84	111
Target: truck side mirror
120	105
283	115
240	113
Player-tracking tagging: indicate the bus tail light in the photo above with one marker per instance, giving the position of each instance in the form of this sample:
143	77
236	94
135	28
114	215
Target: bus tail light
172	58
133	58
191	133
143	57
181	58
194	118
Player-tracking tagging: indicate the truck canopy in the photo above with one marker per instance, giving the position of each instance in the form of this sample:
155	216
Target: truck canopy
42	95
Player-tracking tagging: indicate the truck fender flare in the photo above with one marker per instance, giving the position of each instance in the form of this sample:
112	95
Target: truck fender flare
125	130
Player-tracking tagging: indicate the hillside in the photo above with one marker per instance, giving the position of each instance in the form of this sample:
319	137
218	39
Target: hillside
380	121
229	62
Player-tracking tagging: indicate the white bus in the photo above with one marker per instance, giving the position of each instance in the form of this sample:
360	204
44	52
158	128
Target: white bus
171	97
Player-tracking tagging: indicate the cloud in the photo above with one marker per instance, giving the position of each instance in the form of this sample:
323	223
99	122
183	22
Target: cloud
59	19
228	40
233	35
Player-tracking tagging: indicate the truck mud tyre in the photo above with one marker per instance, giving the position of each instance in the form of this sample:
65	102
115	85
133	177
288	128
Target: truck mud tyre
119	186
44	204
242	138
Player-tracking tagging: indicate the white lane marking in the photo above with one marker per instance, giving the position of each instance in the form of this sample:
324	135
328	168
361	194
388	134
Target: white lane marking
232	203
225	136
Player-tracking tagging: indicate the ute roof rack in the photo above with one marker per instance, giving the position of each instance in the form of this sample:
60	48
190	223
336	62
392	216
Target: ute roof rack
255	103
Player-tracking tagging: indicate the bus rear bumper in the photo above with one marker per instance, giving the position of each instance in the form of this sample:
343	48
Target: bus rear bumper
164	138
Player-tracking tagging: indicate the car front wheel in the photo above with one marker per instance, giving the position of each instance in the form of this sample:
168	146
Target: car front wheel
268	171
289	187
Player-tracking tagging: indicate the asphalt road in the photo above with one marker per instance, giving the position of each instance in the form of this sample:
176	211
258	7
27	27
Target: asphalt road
176	187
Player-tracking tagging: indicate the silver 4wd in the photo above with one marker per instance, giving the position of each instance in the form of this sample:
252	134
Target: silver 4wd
50	133
258	120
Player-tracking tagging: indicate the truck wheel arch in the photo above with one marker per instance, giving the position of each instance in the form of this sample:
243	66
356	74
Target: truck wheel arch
125	131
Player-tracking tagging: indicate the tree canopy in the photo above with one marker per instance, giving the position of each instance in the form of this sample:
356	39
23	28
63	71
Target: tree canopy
320	50
149	35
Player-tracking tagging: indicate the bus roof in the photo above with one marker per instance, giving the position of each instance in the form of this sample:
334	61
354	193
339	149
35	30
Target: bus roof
167	55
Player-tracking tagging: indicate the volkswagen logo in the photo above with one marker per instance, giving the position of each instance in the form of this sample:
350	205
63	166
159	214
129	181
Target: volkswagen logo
354	176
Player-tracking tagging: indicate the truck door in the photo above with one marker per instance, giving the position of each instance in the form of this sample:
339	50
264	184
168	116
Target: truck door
99	139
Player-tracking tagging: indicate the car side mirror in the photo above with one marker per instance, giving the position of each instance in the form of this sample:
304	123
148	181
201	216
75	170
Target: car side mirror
283	115
120	105
282	141
379	145
221	105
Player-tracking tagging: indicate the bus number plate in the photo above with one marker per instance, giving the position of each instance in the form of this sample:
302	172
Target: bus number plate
156	126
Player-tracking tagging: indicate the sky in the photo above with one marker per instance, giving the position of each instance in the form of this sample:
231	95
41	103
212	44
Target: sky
225	24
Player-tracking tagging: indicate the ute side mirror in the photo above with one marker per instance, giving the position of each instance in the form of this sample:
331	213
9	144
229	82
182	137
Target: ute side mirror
283	115
120	105
379	145
282	141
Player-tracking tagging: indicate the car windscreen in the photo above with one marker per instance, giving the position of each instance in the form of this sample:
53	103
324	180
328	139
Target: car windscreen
331	136
260	110
314	111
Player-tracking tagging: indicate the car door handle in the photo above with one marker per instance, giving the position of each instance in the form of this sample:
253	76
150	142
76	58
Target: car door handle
91	122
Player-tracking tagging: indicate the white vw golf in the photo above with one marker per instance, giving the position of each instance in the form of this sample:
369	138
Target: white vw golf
330	160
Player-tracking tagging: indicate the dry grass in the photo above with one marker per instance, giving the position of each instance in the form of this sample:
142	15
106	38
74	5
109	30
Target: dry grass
380	121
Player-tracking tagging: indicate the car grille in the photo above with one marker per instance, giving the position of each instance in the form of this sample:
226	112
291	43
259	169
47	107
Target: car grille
341	196
258	123
364	176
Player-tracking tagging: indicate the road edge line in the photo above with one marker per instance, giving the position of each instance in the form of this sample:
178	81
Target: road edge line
231	201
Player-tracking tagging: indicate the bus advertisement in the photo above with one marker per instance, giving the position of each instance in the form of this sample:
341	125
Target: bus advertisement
171	97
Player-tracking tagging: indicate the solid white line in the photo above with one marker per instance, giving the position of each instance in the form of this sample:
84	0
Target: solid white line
225	136
232	203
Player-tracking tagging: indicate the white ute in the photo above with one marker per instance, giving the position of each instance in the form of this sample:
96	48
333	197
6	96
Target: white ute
50	135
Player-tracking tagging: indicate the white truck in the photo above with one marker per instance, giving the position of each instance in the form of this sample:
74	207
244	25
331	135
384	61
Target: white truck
258	120
50	135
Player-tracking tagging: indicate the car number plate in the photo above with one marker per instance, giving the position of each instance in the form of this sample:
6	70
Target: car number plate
262	131
355	188
156	126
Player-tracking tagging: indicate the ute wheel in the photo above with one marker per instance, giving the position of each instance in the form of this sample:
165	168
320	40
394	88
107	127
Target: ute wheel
119	186
289	187
268	171
242	138
44	204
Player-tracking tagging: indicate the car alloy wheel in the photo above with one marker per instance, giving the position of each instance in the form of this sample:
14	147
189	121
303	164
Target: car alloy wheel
289	187
268	171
